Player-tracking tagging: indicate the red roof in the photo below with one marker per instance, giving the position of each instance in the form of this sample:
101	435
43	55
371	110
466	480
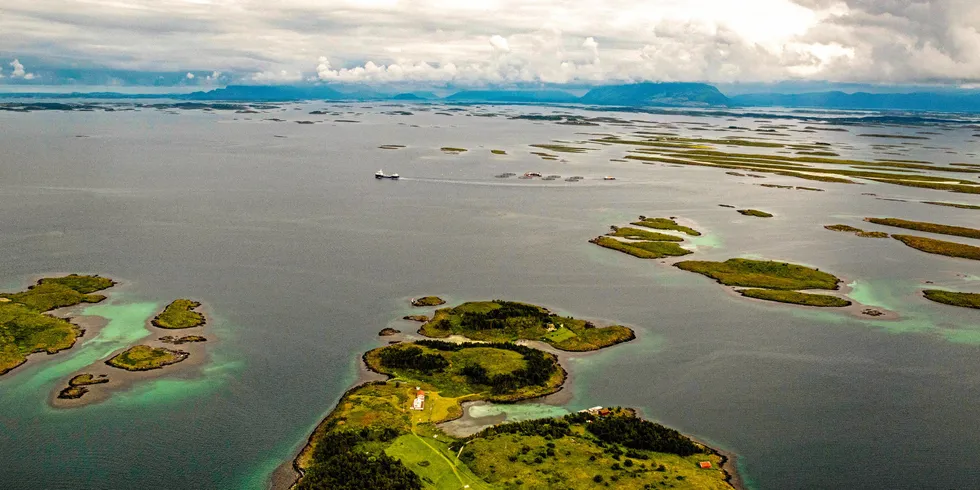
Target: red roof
705	464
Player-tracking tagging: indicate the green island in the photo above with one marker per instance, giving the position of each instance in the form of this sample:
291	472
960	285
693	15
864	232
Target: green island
927	227
428	301
416	318
857	231
940	247
498	152
754	212
561	148
384	434
770	280
966	300
391	147
767	274
25	329
77	385
145	358
951	205
665	224
388	332
638	234
186	339
795	297
507	321
450	149
642	249
179	314
701	152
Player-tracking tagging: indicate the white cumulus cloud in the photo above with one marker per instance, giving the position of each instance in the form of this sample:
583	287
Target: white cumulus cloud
19	71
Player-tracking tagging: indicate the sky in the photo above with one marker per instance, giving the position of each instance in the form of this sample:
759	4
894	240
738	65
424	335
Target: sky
487	42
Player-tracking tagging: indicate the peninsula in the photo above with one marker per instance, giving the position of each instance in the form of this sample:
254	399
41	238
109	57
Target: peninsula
25	329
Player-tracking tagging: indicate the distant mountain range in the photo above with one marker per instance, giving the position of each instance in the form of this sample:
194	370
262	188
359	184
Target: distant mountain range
657	95
647	94
920	101
519	96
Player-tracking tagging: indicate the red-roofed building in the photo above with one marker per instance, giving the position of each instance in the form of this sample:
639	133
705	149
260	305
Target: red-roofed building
705	465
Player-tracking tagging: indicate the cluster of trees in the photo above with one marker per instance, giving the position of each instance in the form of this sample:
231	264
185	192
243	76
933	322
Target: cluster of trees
340	464
412	358
539	366
636	433
539	369
547	428
498	318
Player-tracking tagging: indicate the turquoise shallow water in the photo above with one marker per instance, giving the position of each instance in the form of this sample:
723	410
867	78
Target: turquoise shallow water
126	326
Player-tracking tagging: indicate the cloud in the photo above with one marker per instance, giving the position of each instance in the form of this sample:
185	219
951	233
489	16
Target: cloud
19	71
190	76
529	40
281	76
499	44
901	40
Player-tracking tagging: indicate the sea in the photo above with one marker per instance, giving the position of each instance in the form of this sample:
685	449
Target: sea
301	256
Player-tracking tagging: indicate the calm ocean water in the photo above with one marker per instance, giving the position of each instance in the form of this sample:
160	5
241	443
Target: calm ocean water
303	256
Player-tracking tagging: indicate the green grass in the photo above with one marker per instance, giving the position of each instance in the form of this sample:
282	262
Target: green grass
385	405
963	189
966	300
952	205
516	460
762	274
145	358
434	462
179	314
857	231
59	292
561	148
643	250
843	228
665	224
927	227
638	234
940	247
754	212
533	323
452	383
80	283
25	329
802	166
428	301
796	298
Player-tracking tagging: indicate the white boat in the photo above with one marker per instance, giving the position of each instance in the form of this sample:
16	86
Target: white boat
380	174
